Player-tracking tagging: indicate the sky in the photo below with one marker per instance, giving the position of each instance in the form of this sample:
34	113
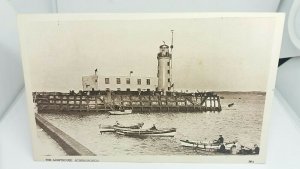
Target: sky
218	54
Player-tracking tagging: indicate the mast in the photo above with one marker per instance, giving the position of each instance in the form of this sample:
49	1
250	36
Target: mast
172	84
172	31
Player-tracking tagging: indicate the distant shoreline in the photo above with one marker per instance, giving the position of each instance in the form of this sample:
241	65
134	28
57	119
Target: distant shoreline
241	92
214	91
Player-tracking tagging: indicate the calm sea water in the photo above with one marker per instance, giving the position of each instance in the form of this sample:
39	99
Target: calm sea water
243	122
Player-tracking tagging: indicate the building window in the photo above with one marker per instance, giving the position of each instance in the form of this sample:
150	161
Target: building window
139	81
87	86
168	71
128	81
118	89
169	80
168	63
106	80
128	89
96	80
148	81
118	81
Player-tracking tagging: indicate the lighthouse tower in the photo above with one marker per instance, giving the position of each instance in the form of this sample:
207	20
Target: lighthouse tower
164	70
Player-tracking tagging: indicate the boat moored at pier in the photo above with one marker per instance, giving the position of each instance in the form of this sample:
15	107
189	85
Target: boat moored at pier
120	112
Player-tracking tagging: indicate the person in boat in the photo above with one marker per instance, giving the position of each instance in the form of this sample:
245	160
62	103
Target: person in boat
237	144
140	125
242	150
256	149
220	140
153	127
117	123
222	148
245	150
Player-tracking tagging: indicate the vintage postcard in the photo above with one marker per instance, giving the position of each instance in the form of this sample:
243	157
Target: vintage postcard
160	87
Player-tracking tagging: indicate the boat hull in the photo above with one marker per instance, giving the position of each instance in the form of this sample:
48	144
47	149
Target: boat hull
230	148
196	144
123	128
106	130
113	112
114	128
149	133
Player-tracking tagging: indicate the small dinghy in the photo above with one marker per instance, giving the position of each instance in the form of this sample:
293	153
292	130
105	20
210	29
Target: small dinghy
148	133
113	128
121	127
227	148
120	112
106	128
230	105
224	148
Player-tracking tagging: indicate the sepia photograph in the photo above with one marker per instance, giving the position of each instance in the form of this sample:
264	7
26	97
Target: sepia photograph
187	87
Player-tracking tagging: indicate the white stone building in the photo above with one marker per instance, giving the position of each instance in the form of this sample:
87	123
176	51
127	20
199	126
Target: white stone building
127	83
119	83
90	83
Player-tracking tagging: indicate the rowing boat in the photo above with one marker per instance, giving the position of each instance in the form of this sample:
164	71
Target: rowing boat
169	132
121	127
106	128
117	127
120	112
229	147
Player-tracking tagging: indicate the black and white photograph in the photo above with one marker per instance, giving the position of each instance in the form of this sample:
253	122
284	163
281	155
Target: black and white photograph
186	87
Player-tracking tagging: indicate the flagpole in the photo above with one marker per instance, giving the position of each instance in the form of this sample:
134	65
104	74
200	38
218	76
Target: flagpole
172	31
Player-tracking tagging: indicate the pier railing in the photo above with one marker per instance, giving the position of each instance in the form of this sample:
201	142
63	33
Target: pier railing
138	102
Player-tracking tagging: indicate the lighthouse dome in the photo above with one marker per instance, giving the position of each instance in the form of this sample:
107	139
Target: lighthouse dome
163	46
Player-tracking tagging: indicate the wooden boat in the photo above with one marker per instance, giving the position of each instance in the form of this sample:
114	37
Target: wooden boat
106	128
121	127
120	112
230	147
113	128
170	132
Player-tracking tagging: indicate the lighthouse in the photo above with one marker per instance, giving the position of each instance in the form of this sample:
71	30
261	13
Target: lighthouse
164	70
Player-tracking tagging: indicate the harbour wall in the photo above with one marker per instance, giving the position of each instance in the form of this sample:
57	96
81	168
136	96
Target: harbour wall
137	101
68	144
